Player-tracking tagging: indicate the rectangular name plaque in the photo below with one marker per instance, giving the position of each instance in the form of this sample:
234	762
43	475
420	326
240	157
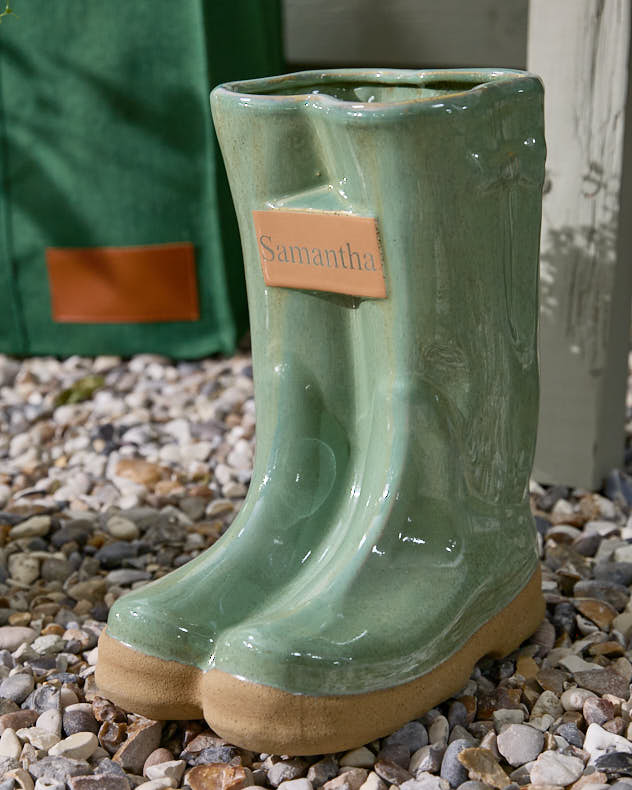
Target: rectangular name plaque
320	251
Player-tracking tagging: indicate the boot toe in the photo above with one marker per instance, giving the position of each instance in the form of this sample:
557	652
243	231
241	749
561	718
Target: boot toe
142	621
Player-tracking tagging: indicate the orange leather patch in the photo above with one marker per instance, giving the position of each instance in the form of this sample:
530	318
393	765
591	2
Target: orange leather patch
150	283
320	251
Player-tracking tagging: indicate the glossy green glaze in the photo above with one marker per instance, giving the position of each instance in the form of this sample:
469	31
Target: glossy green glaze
388	514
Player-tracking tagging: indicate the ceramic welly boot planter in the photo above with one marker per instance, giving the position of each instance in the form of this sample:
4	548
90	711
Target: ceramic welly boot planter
390	224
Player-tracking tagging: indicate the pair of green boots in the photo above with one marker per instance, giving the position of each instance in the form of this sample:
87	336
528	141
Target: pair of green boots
386	542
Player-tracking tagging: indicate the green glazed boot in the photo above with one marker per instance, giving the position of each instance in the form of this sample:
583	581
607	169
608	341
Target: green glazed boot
386	542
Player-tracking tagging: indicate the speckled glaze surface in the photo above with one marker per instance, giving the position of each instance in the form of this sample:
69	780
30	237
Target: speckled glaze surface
387	519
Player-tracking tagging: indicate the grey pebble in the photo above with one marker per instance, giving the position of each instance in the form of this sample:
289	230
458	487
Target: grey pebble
322	771
55	569
79	718
615	594
98	782
457	714
428	758
460	733
75	531
391	772
615	764
284	770
112	554
451	768
7	764
126	576
43	698
617	572
59	768
519	743
571	733
412	735
395	752
17	687
222	753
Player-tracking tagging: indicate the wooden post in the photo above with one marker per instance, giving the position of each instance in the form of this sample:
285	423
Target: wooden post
580	49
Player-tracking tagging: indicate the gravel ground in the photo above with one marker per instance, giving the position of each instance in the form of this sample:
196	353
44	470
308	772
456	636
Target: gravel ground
114	472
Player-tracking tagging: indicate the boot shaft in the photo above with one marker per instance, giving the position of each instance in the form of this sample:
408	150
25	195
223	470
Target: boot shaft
451	165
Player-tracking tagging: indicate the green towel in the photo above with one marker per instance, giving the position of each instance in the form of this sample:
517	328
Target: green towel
106	141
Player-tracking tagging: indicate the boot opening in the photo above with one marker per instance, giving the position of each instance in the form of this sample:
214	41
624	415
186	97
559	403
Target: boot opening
369	93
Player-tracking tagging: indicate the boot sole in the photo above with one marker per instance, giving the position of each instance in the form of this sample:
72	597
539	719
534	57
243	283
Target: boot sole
266	719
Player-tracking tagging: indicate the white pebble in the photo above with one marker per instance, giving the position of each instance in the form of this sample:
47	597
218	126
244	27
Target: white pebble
295	784
34	527
155	784
554	768
574	698
598	741
358	758
79	746
24	568
373	782
10	745
21	777
122	528
38	737
50	720
439	730
49	784
172	770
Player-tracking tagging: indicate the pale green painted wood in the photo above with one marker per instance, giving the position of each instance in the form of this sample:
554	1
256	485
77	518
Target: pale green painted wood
586	280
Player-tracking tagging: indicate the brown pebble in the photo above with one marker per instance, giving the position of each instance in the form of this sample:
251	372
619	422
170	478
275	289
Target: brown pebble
470	703
53	628
391	772
143	737
218	776
572	717
139	471
600	612
83	607
552	680
597	711
550	744
603	681
20	618
527	667
17	720
191	729
156	757
616	702
598	777
531	692
500	698
89	688
482	766
204	740
623	667
104	710
352	779
616	725
544	637
111	735
98	782
606	649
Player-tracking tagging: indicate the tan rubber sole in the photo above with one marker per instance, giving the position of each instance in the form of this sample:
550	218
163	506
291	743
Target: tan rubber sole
267	719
